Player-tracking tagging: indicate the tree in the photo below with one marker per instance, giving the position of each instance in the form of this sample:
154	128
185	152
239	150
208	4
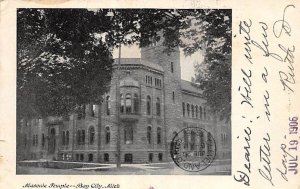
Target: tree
60	61
64	55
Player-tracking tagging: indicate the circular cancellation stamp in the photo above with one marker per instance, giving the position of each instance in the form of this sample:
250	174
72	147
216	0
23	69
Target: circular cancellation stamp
193	149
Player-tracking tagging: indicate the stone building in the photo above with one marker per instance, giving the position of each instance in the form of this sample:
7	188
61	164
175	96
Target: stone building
155	104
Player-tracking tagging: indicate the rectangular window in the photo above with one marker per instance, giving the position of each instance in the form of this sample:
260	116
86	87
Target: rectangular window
106	157
128	134
150	157
160	157
172	67
90	157
81	157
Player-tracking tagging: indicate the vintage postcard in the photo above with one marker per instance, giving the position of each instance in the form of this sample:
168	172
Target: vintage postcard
138	94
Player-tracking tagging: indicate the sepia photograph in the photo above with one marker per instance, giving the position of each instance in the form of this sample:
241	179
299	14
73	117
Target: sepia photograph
123	91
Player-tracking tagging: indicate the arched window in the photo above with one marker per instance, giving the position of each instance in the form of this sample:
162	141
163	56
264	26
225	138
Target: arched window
193	111
67	137
108	105
107	135
149	134
188	109
158	135
196	107
136	103
200	110
122	103
183	109
128	134
148	105
157	107
91	135
128	103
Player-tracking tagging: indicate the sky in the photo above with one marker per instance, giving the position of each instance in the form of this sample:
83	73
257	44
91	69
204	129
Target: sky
187	63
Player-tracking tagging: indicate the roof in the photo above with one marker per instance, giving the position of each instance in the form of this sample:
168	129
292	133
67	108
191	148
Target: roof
190	87
139	61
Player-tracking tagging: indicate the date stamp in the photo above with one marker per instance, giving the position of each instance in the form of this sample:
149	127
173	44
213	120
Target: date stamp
193	149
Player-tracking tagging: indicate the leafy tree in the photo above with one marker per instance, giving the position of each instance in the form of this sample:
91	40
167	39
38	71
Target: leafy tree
60	61
64	54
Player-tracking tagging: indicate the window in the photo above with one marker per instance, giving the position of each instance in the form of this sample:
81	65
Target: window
136	103
81	157
196	107
157	107
122	103
172	67
43	140
128	158
202	144
90	156
67	137
128	103
224	138
83	136
193	111
150	157
188	110
193	140
35	140
157	82
106	157
148	105
128	134
25	140
204	113
173	96
108	105
149	134
209	144
107	135
63	137
160	156
183	109
77	157
158	135
78	137
93	110
185	139
91	135
200	110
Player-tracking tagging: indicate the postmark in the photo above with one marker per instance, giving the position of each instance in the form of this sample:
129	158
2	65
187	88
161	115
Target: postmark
193	149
